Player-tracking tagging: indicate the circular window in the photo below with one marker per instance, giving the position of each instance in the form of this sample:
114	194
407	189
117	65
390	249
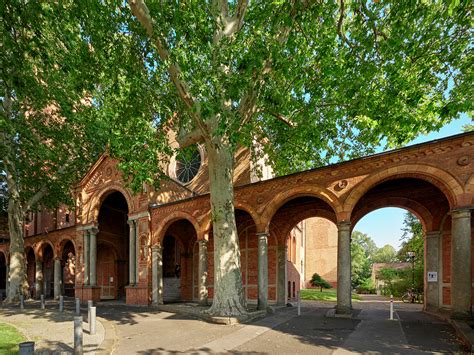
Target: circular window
188	162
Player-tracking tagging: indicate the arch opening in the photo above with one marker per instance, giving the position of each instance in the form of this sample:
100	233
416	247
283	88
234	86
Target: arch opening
179	270
3	275
113	247
68	266
306	232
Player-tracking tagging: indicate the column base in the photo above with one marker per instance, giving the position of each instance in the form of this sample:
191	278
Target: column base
138	295
203	302
88	293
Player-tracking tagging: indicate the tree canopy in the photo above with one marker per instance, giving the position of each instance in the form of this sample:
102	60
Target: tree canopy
310	81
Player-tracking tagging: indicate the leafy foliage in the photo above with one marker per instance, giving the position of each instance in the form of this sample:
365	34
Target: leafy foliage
412	240
363	249
386	254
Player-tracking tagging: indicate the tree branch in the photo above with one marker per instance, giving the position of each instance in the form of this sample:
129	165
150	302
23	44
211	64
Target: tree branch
186	139
282	118
141	12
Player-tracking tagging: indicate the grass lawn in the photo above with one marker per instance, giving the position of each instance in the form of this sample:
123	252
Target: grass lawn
326	295
9	339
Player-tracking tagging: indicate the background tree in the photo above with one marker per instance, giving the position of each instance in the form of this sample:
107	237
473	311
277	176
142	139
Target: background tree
363	249
47	135
318	281
386	254
412	240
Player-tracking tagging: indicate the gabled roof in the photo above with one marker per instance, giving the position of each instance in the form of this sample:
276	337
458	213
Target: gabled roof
92	170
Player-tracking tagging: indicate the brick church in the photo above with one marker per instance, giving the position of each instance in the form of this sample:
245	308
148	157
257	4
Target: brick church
157	246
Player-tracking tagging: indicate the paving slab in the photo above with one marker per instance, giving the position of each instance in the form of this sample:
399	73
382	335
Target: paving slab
53	331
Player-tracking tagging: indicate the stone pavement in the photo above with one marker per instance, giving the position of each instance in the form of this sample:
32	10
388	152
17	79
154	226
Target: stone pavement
143	330
53	331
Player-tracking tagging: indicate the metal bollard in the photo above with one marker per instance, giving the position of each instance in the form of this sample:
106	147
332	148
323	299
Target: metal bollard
89	305
42	301
92	324
61	303
391	307
22	301
26	348
299	302
78	306
78	335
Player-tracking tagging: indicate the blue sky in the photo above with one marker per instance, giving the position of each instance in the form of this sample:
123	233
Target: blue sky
384	225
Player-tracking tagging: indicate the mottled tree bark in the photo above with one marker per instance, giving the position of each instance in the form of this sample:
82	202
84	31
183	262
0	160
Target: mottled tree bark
229	298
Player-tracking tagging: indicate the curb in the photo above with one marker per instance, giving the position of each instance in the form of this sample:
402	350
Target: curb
110	341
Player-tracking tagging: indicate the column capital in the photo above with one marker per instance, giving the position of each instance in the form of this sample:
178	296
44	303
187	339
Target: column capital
131	222
460	213
261	235
156	247
282	247
344	225
92	230
432	234
203	241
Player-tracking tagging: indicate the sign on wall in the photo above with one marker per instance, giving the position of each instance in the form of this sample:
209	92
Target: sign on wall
432	276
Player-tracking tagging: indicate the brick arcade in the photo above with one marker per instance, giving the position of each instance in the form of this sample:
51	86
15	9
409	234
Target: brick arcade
157	246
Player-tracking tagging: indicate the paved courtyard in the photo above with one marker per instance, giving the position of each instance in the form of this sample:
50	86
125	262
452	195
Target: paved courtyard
135	330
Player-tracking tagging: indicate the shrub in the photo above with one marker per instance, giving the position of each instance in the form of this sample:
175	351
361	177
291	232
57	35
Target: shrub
318	281
366	287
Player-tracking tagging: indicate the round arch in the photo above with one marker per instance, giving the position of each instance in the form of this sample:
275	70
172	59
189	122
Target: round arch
444	181
99	198
420	211
240	205
38	249
301	191
163	225
60	245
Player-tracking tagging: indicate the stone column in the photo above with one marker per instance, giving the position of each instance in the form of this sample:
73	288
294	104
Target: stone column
432	245
202	272
461	280
344	268
282	296
262	270
39	279
132	254
57	278
157	274
93	256
86	256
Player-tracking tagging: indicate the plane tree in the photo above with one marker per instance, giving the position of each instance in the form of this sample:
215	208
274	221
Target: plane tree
299	82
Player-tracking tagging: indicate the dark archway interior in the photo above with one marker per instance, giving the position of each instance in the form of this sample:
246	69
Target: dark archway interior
68	264
113	247
48	271
30	269
3	275
178	268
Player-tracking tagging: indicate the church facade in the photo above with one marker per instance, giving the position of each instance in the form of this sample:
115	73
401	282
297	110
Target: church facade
157	246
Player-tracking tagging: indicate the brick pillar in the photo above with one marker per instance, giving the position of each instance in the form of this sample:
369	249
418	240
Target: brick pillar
282	296
262	270
202	280
132	264
93	255
157	274
432	263
39	279
344	305
86	255
57	278
461	280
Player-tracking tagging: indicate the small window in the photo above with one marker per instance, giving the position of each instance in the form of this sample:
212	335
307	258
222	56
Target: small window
67	217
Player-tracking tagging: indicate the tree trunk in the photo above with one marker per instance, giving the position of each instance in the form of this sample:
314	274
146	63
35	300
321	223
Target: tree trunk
18	279
229	298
